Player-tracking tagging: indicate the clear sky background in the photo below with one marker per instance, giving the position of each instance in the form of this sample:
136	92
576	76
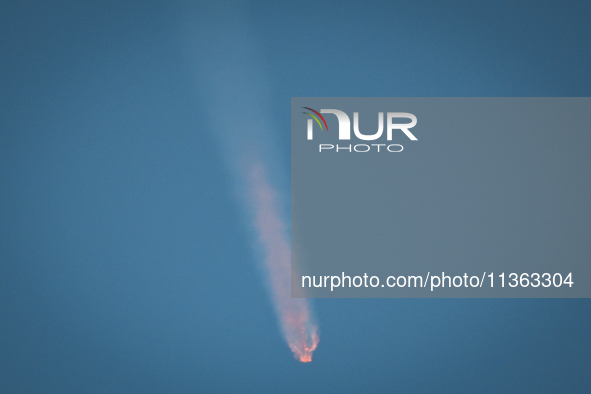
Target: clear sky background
125	266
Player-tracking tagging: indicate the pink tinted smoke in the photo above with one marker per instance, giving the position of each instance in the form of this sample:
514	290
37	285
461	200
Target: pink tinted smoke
299	329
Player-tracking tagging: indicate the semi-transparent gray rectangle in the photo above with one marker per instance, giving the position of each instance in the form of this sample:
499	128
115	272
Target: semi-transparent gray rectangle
479	192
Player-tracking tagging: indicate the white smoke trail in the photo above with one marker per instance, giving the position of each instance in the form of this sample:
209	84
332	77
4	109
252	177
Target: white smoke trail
227	71
298	326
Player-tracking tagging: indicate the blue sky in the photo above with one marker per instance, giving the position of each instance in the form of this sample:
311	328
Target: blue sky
125	265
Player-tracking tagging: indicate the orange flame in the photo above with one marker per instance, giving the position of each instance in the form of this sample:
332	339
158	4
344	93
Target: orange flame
299	328
305	354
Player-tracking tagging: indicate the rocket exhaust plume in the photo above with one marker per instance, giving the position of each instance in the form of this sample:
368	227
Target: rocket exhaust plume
301	333
232	80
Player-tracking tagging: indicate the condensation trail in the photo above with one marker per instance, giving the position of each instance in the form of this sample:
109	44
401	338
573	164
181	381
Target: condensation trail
230	77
